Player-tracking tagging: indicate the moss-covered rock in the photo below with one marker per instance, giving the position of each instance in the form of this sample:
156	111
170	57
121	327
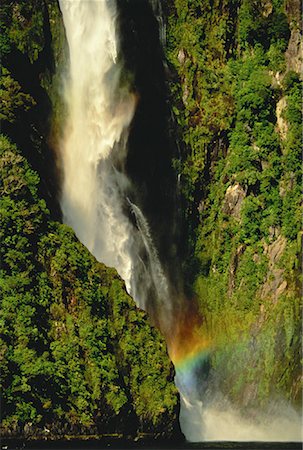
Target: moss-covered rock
231	68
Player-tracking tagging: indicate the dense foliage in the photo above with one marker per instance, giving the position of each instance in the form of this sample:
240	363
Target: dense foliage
77	356
75	350
237	112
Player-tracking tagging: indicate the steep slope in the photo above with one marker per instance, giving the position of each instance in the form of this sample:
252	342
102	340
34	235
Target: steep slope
77	356
235	92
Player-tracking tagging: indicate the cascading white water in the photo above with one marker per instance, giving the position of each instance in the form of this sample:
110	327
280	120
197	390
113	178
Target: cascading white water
100	111
156	273
95	188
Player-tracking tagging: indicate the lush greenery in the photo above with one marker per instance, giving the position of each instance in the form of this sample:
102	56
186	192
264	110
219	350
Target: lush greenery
240	178
75	351
77	356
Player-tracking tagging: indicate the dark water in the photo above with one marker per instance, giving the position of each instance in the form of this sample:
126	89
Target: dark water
145	445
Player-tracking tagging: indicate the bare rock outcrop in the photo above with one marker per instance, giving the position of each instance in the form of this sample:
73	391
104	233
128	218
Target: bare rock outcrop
282	127
275	283
234	197
294	52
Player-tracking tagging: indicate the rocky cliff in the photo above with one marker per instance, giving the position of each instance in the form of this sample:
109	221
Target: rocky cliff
77	357
234	71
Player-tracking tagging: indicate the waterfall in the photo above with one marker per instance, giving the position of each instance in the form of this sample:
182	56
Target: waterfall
96	191
157	9
97	195
156	272
100	111
95	188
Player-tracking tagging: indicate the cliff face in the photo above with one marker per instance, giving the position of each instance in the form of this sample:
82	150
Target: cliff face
77	356
235	88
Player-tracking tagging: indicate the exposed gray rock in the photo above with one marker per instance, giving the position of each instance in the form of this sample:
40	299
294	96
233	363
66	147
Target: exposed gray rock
233	268
234	197
181	56
266	7
282	127
275	250
294	53
275	283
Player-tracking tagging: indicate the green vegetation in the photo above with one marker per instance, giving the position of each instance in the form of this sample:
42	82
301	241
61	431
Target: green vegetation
77	356
240	180
13	101
291	160
76	353
22	26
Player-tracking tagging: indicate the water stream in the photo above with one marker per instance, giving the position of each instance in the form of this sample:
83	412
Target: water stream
95	193
97	199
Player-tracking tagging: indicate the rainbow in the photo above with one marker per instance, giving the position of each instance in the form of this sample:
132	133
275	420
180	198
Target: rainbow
195	352
192	360
191	342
